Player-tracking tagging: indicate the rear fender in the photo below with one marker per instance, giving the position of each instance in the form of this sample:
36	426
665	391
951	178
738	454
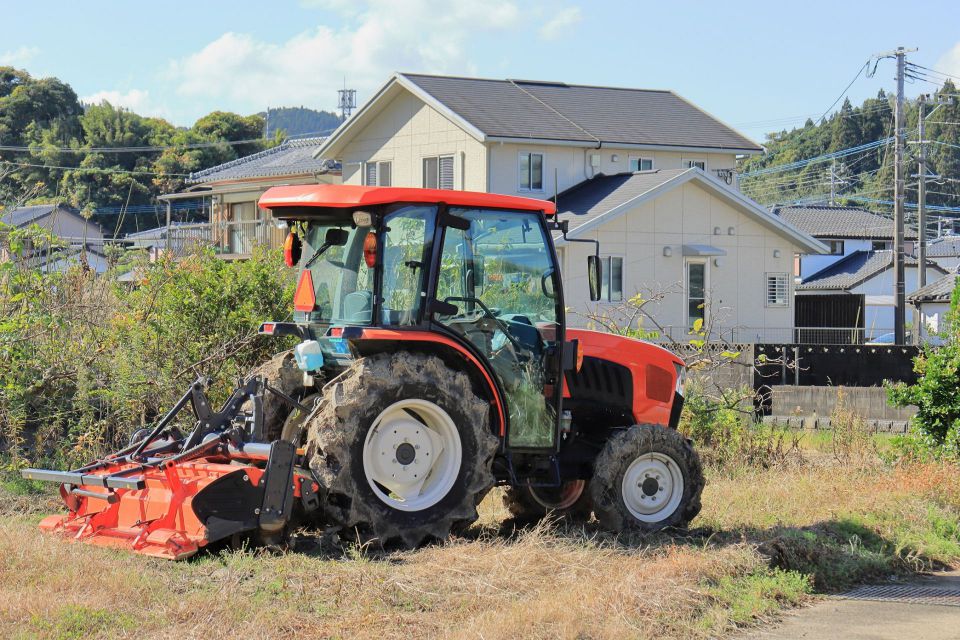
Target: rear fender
447	349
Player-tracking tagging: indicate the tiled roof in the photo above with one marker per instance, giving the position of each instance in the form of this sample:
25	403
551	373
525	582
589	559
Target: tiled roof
25	215
292	157
558	111
943	247
936	291
853	269
823	221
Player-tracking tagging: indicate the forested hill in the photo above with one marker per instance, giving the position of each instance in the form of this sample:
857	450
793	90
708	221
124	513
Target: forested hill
861	161
299	122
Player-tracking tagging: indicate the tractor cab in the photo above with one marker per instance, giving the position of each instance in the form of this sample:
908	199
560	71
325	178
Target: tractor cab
476	270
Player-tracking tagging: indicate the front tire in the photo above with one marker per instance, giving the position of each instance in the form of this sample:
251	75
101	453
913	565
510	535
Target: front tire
403	449
646	478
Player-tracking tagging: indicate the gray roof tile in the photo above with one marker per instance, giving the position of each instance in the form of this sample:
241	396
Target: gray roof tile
936	291
25	215
852	269
558	111
823	221
292	157
943	247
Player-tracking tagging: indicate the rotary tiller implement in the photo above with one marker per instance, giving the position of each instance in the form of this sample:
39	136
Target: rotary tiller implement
168	494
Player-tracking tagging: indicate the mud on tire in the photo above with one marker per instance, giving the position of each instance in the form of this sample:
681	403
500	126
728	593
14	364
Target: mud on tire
632	446
281	373
338	431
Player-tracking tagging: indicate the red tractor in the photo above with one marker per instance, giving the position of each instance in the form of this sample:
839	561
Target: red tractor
434	363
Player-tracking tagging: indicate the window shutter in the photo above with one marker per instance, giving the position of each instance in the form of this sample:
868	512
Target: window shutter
383	174
370	177
446	172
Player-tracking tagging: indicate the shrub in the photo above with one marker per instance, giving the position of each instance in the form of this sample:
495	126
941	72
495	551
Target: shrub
936	427
85	359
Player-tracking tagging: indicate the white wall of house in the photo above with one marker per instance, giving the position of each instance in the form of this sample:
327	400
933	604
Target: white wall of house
565	166
811	264
404	133
689	215
932	317
949	263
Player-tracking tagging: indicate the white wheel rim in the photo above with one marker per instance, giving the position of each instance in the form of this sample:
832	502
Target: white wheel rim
652	487
411	455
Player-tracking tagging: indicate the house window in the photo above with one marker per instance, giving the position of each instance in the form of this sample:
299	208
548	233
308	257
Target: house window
641	164
881	245
696	293
438	172
836	247
778	289
531	171
377	174
611	287
699	164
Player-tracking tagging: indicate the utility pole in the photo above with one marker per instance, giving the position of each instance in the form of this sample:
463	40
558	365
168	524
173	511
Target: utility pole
922	199
833	178
899	299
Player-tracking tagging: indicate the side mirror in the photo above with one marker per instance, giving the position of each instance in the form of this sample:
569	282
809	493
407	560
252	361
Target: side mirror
594	276
336	237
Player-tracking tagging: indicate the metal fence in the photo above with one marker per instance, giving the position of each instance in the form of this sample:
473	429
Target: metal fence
780	335
229	238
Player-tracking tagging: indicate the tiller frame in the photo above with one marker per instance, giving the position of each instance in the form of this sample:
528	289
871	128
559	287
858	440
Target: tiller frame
168	494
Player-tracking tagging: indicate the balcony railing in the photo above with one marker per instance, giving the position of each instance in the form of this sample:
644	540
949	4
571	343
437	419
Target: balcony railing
228	238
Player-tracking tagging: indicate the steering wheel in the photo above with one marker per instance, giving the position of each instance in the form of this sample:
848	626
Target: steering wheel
504	329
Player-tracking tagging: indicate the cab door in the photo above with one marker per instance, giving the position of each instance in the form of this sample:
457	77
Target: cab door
500	274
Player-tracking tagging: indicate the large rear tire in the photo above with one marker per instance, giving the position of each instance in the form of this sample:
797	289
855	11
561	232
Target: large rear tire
403	449
646	478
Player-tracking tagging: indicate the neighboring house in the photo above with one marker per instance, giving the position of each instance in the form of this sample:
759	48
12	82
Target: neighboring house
945	252
649	174
867	275
683	230
933	302
82	239
845	230
233	188
524	138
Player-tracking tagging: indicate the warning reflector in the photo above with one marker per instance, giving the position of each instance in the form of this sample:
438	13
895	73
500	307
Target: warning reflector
305	299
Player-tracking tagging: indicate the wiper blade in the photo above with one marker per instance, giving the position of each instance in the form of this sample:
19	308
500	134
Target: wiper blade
323	248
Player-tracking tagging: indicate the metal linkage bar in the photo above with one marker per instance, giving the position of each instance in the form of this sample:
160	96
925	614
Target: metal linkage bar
83	480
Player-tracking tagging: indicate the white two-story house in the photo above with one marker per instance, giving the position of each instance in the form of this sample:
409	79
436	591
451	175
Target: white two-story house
645	172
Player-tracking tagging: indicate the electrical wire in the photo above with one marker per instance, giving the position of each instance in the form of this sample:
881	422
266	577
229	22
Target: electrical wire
94	169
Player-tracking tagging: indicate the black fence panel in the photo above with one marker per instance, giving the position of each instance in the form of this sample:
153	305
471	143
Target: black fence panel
814	312
833	365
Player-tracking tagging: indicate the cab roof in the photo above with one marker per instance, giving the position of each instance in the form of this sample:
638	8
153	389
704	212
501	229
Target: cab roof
348	196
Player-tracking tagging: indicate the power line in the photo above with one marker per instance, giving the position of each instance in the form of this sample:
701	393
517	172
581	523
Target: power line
860	71
828	156
141	149
94	169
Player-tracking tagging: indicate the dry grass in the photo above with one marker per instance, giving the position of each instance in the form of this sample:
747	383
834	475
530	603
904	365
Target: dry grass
545	582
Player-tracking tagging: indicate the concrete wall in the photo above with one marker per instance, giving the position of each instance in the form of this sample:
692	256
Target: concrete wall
811	407
405	132
565	167
688	214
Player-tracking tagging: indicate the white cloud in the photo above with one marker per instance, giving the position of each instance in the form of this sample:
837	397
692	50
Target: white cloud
376	38
135	100
20	56
559	24
949	62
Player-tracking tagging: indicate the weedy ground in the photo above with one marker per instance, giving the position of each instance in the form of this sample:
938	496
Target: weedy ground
768	539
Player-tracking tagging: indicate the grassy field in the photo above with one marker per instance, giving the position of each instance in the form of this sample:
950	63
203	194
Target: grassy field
766	540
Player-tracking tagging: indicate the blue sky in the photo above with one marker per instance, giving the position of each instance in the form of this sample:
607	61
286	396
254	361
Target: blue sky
760	66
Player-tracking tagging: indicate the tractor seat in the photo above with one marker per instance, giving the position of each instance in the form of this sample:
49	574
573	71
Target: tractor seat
358	307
